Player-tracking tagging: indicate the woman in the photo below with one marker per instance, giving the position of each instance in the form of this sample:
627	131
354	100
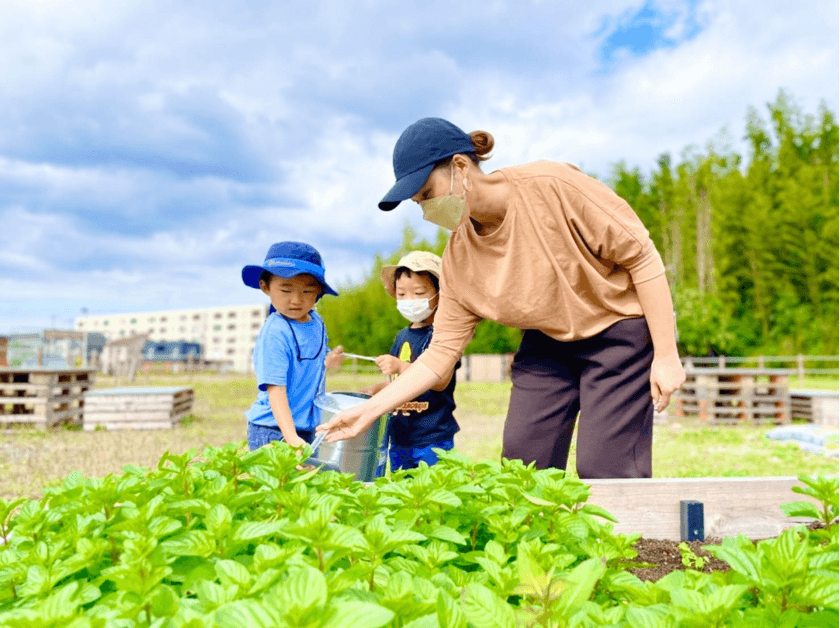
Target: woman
544	248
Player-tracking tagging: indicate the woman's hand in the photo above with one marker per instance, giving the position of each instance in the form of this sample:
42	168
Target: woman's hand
666	376
348	423
334	358
389	365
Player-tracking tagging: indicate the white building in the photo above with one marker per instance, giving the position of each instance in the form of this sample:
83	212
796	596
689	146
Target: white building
224	333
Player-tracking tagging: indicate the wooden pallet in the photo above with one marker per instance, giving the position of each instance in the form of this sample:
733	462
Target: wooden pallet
816	406
130	408
43	397
735	395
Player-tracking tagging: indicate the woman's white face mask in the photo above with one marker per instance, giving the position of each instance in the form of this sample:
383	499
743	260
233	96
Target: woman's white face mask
415	310
445	211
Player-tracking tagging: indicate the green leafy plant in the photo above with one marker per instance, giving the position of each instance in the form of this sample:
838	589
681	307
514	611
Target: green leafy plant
689	558
824	490
231	538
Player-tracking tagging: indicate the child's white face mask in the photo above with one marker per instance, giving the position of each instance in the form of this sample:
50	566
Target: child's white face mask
415	310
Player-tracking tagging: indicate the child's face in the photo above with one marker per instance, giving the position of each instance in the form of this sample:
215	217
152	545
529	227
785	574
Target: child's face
415	286
293	297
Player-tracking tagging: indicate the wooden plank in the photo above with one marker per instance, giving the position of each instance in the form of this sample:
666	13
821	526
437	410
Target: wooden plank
119	398
62	416
23	418
40	401
732	506
736	411
136	391
152	407
765	372
127	416
168	423
111	401
127	401
35	389
140	425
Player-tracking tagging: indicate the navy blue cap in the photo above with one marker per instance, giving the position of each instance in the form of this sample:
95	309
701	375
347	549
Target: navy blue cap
422	146
289	259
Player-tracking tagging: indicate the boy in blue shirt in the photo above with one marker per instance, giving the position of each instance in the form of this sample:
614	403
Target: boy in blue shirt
291	353
426	423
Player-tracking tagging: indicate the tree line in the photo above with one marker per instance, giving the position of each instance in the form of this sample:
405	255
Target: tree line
750	245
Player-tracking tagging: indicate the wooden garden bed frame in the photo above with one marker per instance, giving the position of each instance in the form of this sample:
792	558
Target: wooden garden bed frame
732	506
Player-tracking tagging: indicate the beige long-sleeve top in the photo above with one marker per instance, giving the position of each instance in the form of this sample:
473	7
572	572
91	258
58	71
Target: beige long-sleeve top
564	261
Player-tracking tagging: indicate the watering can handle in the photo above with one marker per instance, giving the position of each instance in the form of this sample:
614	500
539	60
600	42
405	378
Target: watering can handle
359	357
317	442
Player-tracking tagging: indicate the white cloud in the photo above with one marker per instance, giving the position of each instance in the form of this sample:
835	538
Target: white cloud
148	151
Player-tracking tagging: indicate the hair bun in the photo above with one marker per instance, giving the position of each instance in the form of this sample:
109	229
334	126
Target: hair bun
482	143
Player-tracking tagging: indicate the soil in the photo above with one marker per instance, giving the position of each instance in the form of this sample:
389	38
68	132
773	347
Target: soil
666	556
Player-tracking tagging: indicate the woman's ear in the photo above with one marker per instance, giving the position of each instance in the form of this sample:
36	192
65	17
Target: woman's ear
461	162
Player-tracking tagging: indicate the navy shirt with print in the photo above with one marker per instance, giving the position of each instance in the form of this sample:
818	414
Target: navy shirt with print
427	419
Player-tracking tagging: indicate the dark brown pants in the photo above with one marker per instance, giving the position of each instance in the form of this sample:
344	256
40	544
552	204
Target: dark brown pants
607	379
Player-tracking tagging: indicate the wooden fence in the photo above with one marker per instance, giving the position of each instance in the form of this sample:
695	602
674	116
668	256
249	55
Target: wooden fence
486	367
797	363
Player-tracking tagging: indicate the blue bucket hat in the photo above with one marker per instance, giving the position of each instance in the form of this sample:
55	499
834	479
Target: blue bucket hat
420	148
289	259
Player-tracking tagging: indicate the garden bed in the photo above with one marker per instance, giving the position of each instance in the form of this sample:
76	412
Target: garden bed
666	556
231	538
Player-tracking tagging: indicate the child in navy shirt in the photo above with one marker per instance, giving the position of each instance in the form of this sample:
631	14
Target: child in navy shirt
291	353
426	423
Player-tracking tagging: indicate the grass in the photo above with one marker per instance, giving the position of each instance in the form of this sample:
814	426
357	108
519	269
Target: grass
813	382
31	460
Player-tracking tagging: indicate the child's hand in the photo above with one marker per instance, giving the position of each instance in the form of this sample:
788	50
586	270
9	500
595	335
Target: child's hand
389	365
334	358
296	442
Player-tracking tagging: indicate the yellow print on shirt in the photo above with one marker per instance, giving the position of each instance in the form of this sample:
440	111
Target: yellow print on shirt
405	352
412	406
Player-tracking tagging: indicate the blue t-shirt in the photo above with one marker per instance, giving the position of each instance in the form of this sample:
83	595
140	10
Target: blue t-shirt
291	354
427	419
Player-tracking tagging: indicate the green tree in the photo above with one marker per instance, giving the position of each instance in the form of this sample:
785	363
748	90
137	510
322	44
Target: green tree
750	245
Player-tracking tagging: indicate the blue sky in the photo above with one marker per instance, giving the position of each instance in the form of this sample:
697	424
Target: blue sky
149	150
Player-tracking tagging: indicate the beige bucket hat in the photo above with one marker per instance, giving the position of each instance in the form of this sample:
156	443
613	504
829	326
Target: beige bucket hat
416	261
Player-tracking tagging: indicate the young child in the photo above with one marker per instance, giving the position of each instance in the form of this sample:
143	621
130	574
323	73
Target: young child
291	353
425	423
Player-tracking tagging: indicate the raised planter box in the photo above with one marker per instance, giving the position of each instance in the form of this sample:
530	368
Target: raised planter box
130	408
43	397
732	506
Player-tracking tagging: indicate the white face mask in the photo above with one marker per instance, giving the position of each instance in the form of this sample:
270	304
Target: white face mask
445	211
415	310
